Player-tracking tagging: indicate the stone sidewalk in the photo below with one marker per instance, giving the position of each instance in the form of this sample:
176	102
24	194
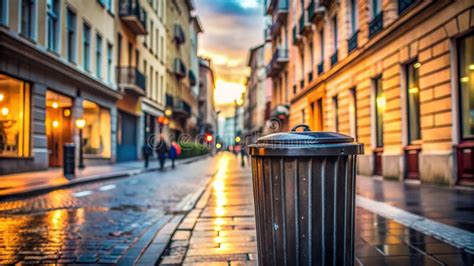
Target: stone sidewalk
220	230
29	183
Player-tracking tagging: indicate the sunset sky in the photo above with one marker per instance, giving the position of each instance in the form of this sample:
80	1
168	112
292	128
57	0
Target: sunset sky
231	27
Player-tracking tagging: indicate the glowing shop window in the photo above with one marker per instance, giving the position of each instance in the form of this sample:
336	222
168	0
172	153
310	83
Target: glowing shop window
97	132
14	117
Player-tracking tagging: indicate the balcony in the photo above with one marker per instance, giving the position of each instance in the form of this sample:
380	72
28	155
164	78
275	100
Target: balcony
192	78
315	12
133	16
179	68
352	42
130	79
325	3
279	16
279	60
404	5
178	34
180	108
376	25
334	58
320	68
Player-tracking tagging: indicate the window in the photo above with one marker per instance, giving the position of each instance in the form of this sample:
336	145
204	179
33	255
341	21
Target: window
413	102
98	56
303	116
380	103
71	36
28	18
14	117
86	46
150	88
4	12
465	48
404	5
137	58
334	28
151	35
161	90
376	8
162	47
157	48
335	105
109	62
321	45
101	2
53	29
119	49
353	112
130	49
353	16
155	96
109	6
97	132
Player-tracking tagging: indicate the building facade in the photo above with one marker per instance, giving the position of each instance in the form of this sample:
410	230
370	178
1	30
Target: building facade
396	75
207	112
104	62
180	98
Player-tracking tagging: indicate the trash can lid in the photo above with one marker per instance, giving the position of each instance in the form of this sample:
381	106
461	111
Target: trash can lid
305	143
305	137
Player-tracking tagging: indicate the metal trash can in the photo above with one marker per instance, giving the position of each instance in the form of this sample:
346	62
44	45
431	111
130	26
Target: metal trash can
304	194
69	160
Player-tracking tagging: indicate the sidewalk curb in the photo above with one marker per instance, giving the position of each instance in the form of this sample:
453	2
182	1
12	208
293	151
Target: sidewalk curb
154	249
43	189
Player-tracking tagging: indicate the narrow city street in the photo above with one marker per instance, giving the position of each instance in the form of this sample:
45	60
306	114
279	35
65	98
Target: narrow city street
94	223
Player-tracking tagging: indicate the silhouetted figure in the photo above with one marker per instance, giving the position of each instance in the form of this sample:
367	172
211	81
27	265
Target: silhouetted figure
147	152
162	150
175	151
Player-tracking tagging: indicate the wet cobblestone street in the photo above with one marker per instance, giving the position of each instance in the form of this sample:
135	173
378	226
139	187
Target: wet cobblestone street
93	223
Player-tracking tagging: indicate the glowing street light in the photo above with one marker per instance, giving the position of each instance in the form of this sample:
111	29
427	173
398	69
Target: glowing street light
237	139
80	124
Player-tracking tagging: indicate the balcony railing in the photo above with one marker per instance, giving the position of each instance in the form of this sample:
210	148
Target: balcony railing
352	42
179	68
315	12
279	16
376	25
334	58
133	16
169	100
305	26
404	5
296	36
179	35
279	59
130	78
180	108
320	67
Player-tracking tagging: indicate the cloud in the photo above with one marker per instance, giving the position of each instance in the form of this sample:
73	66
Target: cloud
231	27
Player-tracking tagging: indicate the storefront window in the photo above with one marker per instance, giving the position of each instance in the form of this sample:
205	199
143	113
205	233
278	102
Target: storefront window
97	132
14	117
380	103
466	85
413	102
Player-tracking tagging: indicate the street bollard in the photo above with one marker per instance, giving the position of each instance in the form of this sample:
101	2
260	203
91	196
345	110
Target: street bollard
69	160
304	196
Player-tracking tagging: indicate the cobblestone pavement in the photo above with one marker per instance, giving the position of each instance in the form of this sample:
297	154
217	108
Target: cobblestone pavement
93	223
221	231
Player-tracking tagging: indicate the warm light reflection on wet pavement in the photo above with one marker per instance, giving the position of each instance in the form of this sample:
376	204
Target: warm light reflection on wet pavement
93	223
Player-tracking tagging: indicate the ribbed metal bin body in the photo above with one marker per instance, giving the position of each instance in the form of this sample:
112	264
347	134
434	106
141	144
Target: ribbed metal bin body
305	209
305	203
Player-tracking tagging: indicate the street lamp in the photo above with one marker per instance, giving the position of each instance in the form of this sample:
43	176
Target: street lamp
237	104
81	123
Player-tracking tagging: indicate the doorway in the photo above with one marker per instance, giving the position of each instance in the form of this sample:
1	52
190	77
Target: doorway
317	107
126	137
58	126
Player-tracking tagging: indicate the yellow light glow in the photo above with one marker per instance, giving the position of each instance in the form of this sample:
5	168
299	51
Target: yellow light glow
219	221
5	111
417	65
55	105
219	185
239	102
220	211
465	79
226	92
471	67
67	112
218	146
80	123
2	97
168	112
381	102
237	139
55	123
413	90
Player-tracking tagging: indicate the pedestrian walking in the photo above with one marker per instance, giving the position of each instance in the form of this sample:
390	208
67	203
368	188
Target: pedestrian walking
175	151
162	150
147	152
